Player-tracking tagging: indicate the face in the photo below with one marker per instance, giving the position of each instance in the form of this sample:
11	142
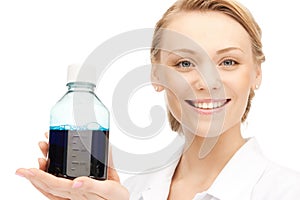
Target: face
207	70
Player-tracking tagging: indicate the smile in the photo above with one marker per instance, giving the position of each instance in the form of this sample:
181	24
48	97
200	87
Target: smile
208	105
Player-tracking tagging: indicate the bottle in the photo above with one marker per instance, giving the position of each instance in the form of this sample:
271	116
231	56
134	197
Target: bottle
79	130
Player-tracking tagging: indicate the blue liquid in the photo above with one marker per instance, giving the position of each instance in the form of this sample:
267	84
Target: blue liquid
70	155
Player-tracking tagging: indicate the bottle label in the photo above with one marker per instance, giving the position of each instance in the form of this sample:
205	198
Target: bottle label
78	153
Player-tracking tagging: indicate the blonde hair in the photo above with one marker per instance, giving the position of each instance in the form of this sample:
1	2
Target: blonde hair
228	7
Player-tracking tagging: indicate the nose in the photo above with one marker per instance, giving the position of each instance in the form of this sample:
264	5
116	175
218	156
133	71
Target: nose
210	83
207	78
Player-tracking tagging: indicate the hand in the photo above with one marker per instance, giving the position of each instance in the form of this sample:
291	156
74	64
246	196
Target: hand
56	188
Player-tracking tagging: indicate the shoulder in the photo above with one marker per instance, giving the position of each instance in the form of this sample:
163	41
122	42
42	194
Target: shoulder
278	182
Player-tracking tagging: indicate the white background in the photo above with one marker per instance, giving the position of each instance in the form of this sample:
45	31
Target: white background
39	39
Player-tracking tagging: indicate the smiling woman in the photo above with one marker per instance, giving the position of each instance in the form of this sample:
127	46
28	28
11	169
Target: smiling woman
206	56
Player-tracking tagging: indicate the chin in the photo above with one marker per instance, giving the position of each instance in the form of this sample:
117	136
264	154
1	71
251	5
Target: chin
205	131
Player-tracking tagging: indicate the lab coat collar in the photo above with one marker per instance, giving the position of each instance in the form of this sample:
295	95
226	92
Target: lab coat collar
160	184
237	179
160	181
241	173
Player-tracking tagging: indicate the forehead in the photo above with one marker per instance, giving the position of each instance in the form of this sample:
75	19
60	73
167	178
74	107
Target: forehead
211	30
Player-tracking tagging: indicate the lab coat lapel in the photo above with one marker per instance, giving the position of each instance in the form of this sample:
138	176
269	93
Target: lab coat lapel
241	173
160	182
159	192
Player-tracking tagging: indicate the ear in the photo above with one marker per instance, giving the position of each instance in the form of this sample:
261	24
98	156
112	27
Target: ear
258	77
155	78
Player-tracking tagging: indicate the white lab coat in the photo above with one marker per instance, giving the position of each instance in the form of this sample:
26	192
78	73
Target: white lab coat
248	175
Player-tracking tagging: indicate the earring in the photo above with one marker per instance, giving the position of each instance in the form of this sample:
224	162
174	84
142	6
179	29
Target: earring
256	86
156	88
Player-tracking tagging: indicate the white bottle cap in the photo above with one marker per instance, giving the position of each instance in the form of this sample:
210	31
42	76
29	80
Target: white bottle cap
80	73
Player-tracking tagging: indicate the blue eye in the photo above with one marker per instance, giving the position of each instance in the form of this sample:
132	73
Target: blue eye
228	63
185	64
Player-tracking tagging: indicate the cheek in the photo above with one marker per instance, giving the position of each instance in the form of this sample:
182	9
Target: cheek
238	87
175	83
177	89
173	104
240	80
175	97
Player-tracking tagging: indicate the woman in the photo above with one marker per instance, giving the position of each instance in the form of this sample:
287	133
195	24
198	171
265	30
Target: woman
206	56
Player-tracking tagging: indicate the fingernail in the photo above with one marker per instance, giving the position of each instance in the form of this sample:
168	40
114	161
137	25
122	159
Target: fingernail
77	184
19	174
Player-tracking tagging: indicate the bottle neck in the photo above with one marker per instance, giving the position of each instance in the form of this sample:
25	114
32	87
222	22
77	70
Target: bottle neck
81	86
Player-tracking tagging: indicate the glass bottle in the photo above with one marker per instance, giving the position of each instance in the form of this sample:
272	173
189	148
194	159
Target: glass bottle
79	131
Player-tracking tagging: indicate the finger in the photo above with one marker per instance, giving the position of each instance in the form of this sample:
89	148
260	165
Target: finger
27	174
77	195
42	164
23	172
48	183
111	172
105	189
49	195
50	180
44	147
89	196
63	193
46	134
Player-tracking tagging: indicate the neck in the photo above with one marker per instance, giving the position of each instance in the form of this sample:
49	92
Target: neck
204	158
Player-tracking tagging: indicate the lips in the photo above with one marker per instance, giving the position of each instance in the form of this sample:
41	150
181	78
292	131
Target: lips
208	104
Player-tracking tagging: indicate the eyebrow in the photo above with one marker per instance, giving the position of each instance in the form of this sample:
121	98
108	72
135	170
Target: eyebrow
229	49
193	52
182	50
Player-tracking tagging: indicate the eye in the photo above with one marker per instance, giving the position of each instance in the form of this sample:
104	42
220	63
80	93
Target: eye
184	64
228	64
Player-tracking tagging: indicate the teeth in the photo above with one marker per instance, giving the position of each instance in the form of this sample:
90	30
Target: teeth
210	105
